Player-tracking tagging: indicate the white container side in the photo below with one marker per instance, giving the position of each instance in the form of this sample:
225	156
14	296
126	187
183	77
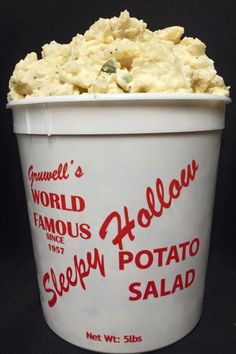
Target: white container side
120	196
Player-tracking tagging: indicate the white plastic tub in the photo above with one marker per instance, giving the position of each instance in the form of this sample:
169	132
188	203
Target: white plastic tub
120	192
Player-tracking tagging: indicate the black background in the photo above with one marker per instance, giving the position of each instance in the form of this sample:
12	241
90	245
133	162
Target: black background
25	27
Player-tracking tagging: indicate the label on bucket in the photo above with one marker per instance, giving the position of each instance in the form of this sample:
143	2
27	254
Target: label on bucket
120	243
157	200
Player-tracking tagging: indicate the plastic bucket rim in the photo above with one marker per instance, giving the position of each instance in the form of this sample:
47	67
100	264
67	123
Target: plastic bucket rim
119	97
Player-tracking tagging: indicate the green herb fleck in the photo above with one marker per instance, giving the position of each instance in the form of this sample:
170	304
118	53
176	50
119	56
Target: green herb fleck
109	67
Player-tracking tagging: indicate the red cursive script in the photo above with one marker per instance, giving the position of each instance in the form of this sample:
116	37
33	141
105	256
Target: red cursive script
73	275
59	173
157	202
